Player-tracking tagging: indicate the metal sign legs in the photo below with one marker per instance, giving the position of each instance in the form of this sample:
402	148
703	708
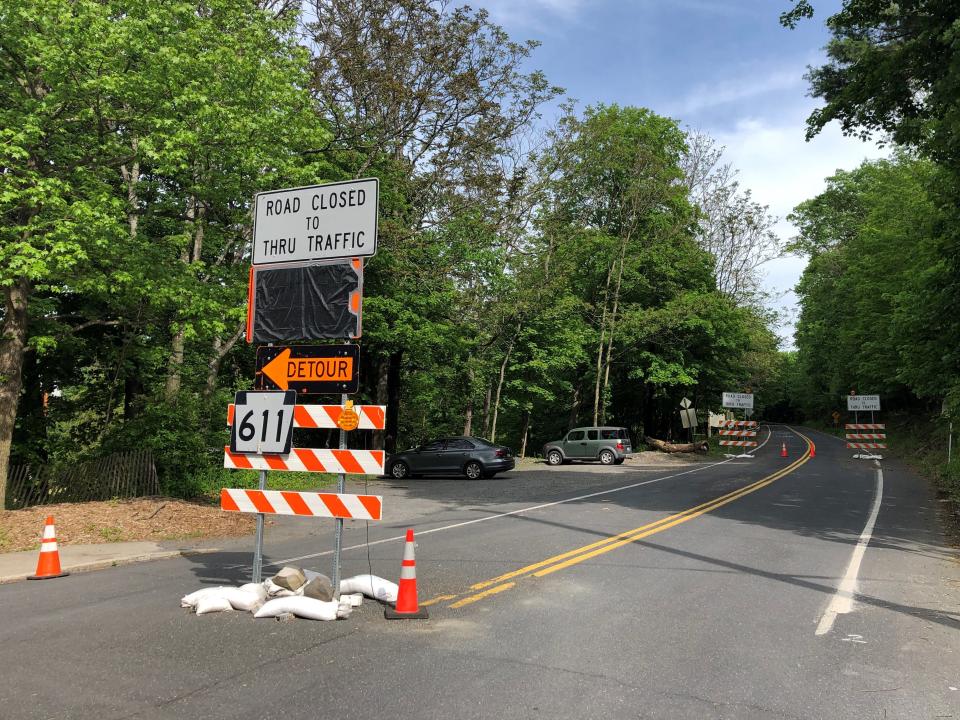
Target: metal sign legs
338	532
258	550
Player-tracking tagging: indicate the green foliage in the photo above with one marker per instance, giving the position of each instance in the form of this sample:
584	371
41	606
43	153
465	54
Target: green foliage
515	292
893	69
874	291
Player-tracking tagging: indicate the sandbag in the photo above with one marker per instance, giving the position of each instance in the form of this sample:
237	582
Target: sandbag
275	591
213	603
371	586
192	599
304	607
355	600
257	588
241	599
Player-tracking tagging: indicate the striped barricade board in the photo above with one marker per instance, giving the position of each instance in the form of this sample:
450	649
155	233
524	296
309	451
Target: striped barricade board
310	504
738	429
372	417
871	440
349	462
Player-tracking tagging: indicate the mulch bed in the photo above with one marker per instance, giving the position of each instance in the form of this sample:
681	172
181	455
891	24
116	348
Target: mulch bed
155	519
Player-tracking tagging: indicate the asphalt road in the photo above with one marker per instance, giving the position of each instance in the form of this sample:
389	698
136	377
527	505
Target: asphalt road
753	588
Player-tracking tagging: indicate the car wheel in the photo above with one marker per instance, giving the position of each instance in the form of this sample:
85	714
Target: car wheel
400	470
607	457
554	457
473	470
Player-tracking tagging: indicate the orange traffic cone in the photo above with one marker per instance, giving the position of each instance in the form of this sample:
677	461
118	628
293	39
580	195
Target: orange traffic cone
783	450
407	606
48	564
813	450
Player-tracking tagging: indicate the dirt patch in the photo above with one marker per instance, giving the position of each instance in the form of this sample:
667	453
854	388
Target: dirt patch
151	519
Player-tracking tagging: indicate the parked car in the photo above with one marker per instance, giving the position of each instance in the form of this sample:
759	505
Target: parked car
609	445
473	457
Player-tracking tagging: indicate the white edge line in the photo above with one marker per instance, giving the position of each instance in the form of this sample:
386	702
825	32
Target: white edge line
842	601
514	512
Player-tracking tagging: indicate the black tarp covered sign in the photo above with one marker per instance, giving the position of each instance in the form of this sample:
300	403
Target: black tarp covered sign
305	302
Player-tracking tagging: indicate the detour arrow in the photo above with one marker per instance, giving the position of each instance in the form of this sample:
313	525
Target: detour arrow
309	369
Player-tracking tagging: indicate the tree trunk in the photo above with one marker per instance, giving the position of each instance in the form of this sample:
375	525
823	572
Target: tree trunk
13	342
220	350
575	407
383	374
468	413
503	372
486	411
700	447
195	215
600	347
393	402
526	431
613	325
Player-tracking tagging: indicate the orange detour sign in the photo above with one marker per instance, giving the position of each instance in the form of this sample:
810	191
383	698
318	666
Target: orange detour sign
348	419
309	369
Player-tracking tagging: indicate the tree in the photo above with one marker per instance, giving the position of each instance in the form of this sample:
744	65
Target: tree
58	209
436	97
735	229
135	138
892	68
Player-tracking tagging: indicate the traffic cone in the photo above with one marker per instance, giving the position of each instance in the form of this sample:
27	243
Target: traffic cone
783	450
48	564
813	450
407	606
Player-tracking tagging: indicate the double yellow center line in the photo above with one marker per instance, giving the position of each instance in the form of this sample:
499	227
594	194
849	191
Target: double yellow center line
579	555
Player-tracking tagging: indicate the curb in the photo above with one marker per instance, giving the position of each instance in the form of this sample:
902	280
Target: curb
116	562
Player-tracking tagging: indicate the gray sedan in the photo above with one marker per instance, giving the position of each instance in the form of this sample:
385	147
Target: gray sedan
469	456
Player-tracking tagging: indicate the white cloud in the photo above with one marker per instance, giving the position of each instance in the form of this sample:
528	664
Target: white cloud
782	170
747	86
538	14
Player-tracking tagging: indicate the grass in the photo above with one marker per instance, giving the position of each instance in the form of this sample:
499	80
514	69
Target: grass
111	534
4	538
218	478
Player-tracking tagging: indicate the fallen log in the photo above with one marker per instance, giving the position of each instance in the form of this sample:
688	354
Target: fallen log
663	446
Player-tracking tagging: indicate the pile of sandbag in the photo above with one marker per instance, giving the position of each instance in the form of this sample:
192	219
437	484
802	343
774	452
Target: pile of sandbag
292	591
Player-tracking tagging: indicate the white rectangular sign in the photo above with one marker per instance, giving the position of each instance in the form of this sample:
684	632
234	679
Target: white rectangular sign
688	416
316	223
738	401
858	403
262	422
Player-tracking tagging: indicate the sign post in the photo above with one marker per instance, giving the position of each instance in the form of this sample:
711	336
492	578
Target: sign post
306	283
262	423
338	528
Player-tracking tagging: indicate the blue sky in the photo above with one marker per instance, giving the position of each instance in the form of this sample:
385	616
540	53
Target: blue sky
724	66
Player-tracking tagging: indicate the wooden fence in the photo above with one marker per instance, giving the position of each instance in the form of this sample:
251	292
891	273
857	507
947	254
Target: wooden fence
121	475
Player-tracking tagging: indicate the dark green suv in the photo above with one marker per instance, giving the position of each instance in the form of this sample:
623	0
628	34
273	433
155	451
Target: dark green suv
609	445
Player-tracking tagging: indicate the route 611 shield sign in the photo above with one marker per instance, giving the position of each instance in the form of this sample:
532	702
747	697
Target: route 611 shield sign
262	422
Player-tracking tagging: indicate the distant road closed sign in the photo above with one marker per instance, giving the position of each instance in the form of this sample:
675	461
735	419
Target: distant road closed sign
316	223
858	403
738	401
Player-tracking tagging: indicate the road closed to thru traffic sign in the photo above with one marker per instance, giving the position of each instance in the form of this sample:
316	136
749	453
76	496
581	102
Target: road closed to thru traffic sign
316	223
